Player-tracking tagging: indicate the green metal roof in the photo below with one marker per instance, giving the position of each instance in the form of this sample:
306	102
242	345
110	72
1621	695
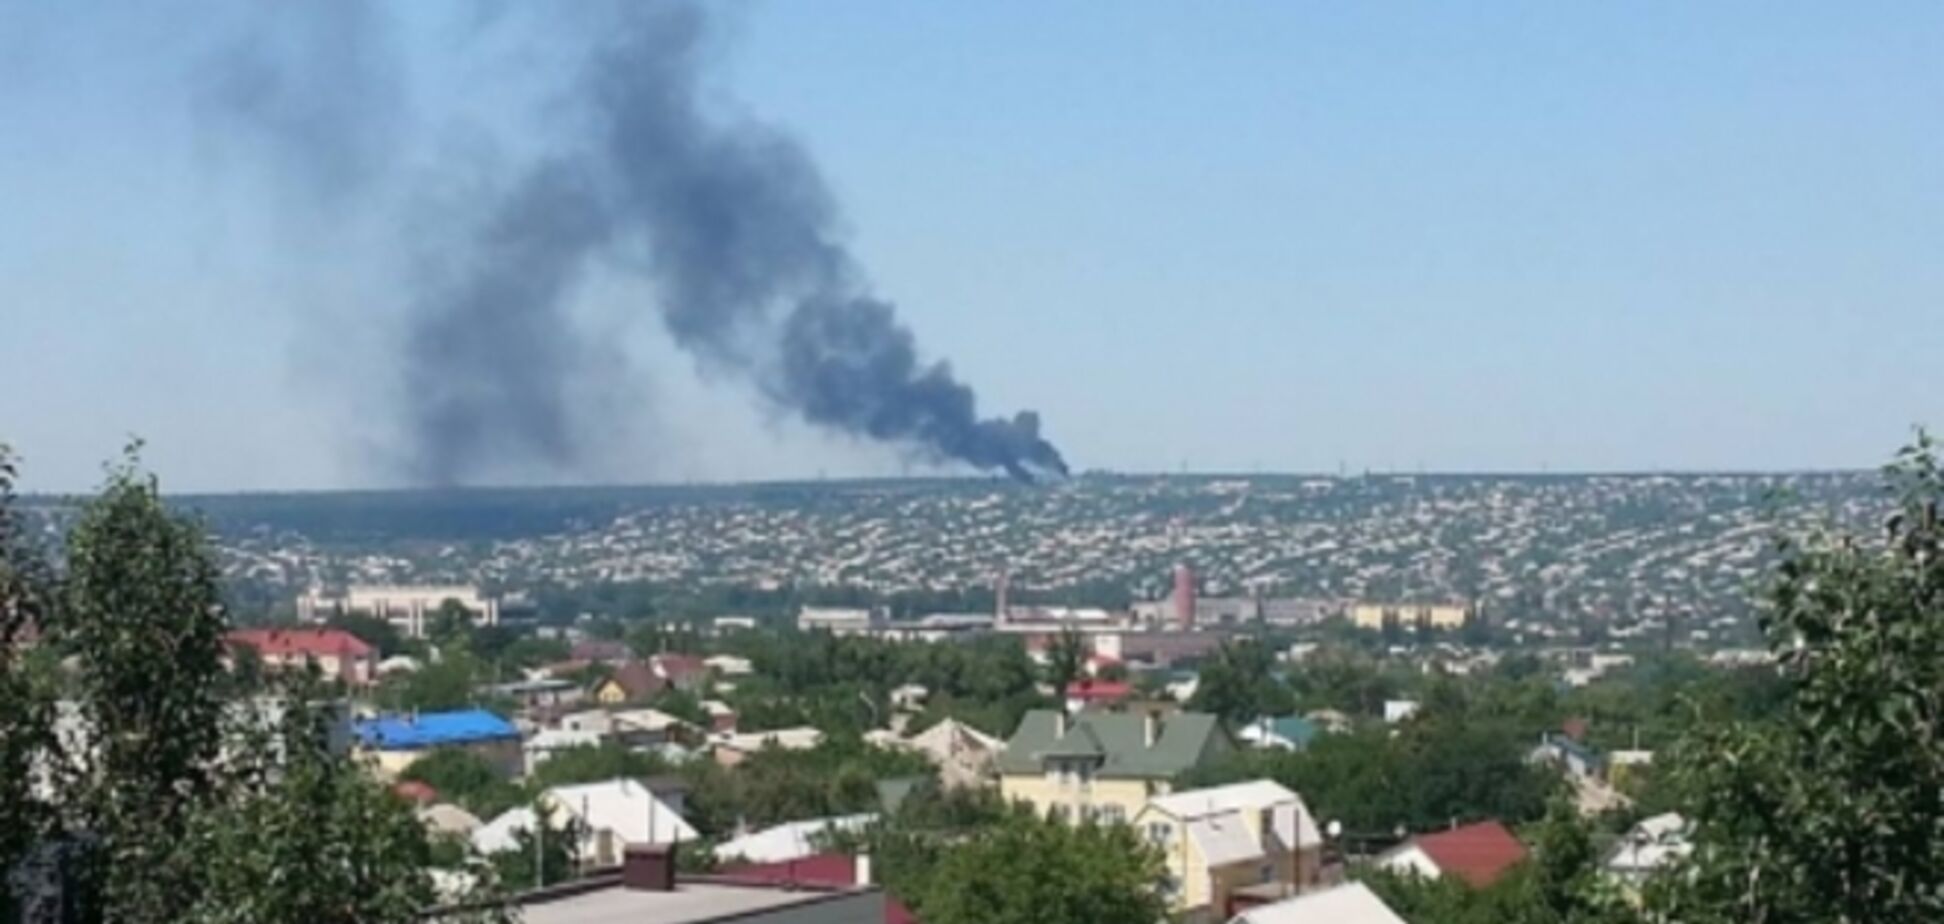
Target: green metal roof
1117	740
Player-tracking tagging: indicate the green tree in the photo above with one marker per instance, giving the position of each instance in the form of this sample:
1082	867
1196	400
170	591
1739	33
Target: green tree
593	764
26	596
1830	810
1238	684
1065	656
141	617
548	852
304	836
1028	870
466	779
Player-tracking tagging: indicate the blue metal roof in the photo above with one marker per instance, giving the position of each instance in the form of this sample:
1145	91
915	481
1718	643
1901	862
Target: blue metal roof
433	729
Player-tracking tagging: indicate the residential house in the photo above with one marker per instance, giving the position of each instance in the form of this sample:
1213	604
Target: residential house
790	841
1579	760
613	816
963	755
648	887
1398	710
1476	853
543	745
910	697
1218	842
1330	720
1088	693
536	695
600	651
394	742
1104	764
1352	903
1648	847
683	672
730	665
631	682
447	820
1288	733
731	748
337	654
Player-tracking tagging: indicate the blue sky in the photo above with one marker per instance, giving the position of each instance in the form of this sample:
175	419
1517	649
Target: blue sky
1238	236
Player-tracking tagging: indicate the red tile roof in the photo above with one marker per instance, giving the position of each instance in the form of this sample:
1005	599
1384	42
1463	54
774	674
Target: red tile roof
1477	853
1099	690
829	869
313	642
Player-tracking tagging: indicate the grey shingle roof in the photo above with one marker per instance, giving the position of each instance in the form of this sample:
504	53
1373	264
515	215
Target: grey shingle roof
1119	741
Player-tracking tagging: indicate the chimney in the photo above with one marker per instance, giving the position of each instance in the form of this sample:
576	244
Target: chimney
1060	722
1184	597
1150	727
648	868
1000	593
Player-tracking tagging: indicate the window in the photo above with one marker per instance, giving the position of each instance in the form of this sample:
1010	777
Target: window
1158	832
1059	812
1112	814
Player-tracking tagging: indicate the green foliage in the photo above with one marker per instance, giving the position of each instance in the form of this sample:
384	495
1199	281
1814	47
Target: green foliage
467	780
1430	773
546	853
26	596
310	838
907	846
141	617
606	761
1829	811
1239	685
192	807
1065	656
1027	870
773	785
379	633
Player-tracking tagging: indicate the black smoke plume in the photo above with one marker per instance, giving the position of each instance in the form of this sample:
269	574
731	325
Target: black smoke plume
731	223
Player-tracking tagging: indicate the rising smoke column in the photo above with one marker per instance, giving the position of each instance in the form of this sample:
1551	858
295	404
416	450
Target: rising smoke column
728	221
739	224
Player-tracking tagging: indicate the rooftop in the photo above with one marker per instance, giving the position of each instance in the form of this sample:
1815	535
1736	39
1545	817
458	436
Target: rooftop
314	642
603	900
1118	740
1477	853
433	729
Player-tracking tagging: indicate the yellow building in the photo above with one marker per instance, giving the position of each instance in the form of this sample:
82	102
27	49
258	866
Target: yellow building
1410	615
1104	765
1256	839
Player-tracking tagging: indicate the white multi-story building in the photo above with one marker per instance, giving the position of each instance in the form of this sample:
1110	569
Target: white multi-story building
407	608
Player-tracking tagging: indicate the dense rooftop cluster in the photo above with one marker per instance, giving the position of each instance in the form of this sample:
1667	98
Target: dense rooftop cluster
1618	551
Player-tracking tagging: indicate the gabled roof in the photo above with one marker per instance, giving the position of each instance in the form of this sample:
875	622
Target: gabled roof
677	666
1117	740
1477	853
1294	729
1225	839
433	729
1344	904
791	840
1290	822
313	642
637	679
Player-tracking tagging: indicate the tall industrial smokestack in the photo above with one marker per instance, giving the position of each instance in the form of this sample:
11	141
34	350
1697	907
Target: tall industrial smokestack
1184	597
